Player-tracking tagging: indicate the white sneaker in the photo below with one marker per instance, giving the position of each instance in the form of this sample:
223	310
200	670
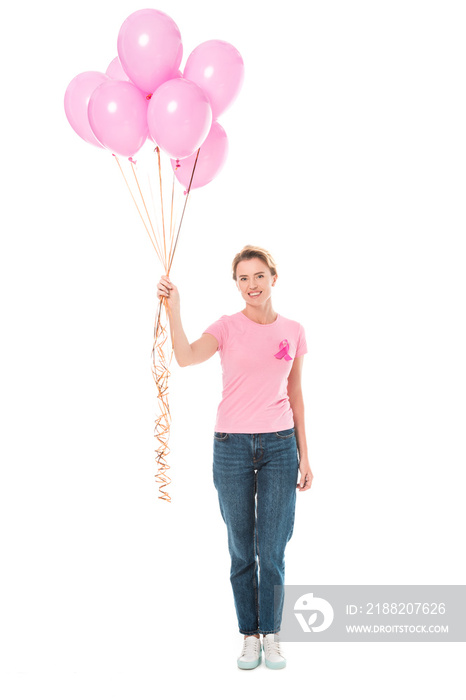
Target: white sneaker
273	654
251	656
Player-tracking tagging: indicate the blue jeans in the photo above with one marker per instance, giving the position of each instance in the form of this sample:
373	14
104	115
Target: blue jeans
266	465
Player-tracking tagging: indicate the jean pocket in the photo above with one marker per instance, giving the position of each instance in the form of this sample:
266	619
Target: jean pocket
289	432
220	436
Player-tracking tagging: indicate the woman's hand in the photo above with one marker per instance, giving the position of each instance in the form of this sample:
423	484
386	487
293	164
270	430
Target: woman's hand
167	289
306	475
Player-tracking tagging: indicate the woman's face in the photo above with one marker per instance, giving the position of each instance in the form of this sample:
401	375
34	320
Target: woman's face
254	280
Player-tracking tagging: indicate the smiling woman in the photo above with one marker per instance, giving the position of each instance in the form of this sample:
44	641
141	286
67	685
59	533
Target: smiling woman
259	442
255	274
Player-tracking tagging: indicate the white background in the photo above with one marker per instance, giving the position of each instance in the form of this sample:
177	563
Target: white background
347	161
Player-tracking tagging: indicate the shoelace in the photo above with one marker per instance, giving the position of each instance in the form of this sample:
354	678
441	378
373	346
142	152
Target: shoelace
272	647
248	644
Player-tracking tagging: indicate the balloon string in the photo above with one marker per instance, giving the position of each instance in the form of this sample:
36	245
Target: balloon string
160	363
161	376
137	207
174	220
184	208
143	200
161	200
173	217
171	209
161	372
154	208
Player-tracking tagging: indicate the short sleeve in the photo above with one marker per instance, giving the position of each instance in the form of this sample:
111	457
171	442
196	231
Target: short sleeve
219	330
301	347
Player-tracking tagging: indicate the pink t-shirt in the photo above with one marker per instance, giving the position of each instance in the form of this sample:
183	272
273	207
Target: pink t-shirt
256	361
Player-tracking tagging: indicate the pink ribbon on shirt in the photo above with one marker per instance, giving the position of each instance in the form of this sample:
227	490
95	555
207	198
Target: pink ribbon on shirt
283	352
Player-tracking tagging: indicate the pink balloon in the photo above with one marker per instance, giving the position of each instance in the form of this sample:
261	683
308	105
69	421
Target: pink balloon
217	67
118	116
77	98
150	48
115	70
179	117
211	160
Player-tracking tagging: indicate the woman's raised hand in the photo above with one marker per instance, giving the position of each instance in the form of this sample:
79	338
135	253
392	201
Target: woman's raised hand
166	288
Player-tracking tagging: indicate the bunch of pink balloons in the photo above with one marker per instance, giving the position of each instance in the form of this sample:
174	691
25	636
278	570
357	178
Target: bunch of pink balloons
143	94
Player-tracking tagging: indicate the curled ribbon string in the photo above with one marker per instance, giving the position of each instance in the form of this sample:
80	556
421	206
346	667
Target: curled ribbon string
162	354
283	352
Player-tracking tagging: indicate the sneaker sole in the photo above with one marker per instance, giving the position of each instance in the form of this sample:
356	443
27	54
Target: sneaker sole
275	664
250	664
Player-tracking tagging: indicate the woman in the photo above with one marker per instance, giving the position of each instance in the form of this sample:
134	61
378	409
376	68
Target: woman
259	436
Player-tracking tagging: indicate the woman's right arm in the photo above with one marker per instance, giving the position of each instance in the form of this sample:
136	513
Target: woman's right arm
186	353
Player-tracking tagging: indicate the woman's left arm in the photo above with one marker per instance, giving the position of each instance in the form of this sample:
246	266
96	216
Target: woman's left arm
295	395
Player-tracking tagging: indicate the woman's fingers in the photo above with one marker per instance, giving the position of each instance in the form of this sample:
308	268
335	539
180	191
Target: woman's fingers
164	286
305	481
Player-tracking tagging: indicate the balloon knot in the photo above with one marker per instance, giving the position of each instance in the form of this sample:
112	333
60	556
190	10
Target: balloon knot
177	165
185	192
131	160
149	96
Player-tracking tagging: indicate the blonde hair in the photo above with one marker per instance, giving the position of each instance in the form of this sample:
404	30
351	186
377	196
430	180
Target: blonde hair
251	251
